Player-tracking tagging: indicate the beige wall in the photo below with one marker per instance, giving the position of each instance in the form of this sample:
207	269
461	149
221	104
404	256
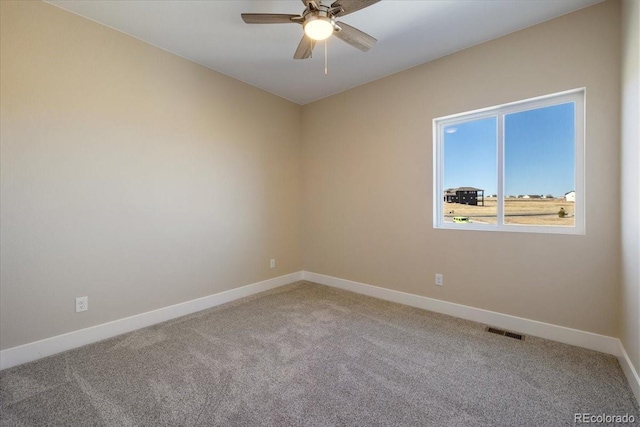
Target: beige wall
367	166
630	175
142	180
132	176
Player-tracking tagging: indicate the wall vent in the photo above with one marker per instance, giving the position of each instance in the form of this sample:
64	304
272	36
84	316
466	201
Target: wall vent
505	333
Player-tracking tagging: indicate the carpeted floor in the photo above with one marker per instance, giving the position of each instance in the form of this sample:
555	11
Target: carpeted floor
309	355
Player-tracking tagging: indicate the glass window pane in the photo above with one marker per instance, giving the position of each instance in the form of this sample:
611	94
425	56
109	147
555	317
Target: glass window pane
539	166
470	172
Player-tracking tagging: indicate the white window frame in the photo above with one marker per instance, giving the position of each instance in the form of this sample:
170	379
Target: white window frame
578	97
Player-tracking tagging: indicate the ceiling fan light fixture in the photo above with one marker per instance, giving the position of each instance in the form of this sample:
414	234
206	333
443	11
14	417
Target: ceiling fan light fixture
318	28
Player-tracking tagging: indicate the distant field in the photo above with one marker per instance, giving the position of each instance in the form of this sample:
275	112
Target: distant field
517	211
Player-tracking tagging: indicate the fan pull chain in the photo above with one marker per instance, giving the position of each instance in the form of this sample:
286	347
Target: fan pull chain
326	58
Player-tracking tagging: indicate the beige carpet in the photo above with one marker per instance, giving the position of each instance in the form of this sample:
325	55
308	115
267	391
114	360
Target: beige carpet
310	355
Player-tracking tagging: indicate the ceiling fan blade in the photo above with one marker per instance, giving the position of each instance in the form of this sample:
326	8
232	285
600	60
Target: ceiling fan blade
269	18
350	6
355	37
304	48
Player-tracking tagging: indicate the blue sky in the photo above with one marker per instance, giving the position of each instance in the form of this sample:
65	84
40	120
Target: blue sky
539	152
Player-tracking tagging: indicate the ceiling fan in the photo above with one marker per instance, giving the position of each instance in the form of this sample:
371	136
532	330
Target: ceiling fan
319	23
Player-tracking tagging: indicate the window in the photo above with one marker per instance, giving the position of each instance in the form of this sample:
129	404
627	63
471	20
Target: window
513	167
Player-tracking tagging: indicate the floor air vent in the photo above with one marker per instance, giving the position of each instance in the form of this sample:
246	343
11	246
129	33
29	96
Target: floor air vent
505	333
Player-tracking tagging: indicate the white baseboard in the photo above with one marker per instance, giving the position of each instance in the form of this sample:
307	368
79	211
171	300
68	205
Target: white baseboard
50	346
629	371
561	334
36	350
601	343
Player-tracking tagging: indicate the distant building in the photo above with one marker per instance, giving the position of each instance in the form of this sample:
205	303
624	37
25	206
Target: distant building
464	195
526	196
570	196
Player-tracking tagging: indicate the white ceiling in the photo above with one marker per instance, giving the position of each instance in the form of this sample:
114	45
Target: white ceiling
409	33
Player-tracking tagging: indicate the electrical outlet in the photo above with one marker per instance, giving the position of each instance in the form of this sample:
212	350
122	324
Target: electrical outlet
439	280
82	304
272	263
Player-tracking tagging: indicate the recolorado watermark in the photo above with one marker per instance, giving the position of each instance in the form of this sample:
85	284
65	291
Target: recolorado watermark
586	418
